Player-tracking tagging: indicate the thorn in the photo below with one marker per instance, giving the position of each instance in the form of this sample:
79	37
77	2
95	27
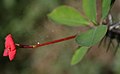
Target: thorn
101	42
109	45
112	44
105	40
117	48
118	41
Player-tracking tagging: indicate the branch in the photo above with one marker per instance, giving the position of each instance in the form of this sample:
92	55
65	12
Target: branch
46	43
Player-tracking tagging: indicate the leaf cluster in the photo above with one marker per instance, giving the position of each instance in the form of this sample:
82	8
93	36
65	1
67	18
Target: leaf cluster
69	16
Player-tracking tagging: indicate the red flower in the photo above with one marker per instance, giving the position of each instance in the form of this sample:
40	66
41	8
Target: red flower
10	48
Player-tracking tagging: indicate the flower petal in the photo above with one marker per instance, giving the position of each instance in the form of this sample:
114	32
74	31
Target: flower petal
5	53
10	43
12	54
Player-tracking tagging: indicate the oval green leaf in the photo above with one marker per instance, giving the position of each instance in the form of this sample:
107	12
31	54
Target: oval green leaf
105	8
89	7
67	16
78	55
92	36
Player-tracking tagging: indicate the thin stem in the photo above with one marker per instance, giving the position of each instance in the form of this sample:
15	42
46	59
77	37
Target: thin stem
46	43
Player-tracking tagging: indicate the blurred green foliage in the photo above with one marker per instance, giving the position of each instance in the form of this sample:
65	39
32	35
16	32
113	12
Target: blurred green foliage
19	17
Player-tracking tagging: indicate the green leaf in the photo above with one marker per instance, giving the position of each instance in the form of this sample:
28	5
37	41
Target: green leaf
92	36
105	8
67	16
89	7
79	54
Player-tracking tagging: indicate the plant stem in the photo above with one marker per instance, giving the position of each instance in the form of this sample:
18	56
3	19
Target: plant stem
46	43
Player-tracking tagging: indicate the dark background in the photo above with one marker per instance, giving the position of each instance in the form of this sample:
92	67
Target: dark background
27	21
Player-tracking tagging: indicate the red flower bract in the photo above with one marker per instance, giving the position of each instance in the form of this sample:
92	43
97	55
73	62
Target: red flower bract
10	48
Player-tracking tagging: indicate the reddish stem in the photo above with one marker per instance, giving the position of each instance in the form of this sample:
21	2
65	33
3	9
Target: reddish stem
46	43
